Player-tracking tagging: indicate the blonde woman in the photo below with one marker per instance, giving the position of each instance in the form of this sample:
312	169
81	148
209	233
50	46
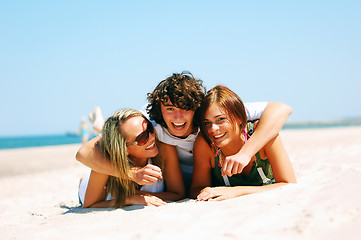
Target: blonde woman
128	140
224	130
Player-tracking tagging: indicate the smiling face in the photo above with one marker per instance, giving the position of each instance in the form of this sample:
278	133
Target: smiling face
131	129
179	121
222	131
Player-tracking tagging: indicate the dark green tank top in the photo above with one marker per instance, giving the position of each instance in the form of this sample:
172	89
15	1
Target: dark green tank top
253	178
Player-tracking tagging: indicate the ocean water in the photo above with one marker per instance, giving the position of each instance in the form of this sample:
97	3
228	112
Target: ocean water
48	140
323	124
37	141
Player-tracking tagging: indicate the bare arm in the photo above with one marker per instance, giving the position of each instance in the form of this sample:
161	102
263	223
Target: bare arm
172	174
281	168
95	189
95	194
202	156
137	199
90	155
270	124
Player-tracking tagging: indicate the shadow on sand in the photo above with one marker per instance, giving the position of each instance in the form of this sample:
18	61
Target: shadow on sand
80	210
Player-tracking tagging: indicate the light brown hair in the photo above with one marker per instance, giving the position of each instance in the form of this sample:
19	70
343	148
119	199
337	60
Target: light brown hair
229	101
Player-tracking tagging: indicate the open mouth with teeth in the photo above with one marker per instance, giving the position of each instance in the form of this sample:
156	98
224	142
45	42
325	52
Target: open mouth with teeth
179	126
216	137
151	146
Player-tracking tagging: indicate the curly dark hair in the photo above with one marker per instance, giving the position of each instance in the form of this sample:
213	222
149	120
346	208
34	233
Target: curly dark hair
182	89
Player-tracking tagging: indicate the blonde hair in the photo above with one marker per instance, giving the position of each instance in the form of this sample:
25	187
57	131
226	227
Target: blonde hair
113	146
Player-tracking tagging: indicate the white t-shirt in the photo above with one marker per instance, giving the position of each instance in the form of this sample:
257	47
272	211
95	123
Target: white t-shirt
185	146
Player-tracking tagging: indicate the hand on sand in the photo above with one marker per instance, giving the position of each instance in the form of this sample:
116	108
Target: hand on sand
216	194
147	199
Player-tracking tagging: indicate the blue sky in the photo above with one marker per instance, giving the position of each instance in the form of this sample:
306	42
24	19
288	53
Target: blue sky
59	59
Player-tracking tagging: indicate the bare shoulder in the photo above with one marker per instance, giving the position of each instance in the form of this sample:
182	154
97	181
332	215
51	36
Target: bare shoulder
200	140
166	149
201	146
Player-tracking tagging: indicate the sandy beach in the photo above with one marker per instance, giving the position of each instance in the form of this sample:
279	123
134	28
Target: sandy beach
39	199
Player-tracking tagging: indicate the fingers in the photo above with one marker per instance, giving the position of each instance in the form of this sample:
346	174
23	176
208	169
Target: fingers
227	167
147	180
151	174
219	198
239	169
148	175
158	203
231	166
146	199
151	200
202	195
153	171
206	194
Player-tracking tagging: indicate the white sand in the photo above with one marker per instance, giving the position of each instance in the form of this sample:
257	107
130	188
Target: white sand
38	198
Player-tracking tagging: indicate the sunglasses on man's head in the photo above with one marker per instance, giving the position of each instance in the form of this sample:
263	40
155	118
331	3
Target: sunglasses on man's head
143	138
